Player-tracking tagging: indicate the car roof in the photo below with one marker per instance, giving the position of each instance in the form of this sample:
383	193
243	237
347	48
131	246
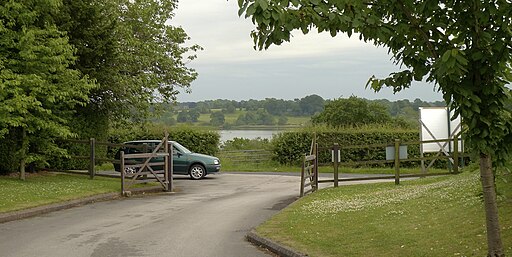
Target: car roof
146	141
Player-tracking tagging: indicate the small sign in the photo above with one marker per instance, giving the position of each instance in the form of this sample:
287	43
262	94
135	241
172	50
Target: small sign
390	152
339	155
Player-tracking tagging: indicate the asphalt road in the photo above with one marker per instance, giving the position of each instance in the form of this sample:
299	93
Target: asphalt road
209	217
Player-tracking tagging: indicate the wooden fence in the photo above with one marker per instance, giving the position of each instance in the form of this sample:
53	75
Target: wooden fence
92	157
309	174
396	161
237	157
92	143
147	170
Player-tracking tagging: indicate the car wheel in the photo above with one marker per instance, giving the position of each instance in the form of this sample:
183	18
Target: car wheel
197	171
130	170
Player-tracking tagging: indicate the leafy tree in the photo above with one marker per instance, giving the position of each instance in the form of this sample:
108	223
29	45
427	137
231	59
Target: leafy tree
193	115
264	118
462	46
352	111
259	117
230	108
38	89
132	51
275	106
182	116
282	120
188	116
203	107
311	104
217	119
251	105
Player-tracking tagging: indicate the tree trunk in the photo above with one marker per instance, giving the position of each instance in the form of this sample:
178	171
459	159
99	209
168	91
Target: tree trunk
494	245
23	153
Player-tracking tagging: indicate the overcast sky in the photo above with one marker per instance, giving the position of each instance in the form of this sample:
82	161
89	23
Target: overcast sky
229	67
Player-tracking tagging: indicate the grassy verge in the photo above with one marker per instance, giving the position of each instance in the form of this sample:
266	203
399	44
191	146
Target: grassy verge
47	188
440	216
270	166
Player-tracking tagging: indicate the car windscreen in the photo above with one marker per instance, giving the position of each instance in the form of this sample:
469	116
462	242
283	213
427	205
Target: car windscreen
181	148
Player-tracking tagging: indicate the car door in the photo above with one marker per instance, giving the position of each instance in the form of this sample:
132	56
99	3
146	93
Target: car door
180	161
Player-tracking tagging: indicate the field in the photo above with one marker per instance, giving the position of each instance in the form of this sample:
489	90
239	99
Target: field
440	216
293	121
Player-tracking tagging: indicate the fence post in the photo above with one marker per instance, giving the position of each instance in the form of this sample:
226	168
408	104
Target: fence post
121	167
397	161
302	177
167	159
456	154
145	149
92	160
171	164
316	166
336	148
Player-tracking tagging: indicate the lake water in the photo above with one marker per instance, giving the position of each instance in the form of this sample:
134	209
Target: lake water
249	134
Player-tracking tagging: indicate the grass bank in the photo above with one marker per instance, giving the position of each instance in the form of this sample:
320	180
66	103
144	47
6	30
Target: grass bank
271	166
47	188
440	216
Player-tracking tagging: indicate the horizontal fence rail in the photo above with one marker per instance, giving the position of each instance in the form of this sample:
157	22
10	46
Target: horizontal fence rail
336	151
246	156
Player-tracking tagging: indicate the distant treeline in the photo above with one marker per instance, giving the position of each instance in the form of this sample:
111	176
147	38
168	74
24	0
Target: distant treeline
306	106
272	111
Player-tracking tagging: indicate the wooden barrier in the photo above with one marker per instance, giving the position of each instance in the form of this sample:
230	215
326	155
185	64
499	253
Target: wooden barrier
309	173
145	171
396	161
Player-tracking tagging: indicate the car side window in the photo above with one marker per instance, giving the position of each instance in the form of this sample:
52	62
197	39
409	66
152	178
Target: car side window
175	150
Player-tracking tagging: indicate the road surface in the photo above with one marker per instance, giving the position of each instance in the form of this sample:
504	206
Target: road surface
209	217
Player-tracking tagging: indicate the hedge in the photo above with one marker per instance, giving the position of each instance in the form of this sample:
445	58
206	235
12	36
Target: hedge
290	147
195	139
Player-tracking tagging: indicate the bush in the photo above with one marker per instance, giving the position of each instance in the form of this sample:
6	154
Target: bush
246	144
196	140
290	147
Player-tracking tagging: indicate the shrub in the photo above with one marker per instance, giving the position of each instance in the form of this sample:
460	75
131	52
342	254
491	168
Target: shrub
290	147
246	144
195	139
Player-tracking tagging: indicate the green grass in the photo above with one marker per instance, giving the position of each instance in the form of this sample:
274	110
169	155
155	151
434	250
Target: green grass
440	216
293	121
48	188
266	166
104	166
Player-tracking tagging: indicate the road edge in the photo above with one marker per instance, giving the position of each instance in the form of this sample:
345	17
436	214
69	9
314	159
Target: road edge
272	246
44	209
31	212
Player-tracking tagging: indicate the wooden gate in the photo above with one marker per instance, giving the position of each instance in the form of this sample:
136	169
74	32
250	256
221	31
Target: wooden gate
147	167
309	172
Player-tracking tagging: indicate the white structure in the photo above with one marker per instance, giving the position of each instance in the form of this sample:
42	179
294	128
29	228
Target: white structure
436	124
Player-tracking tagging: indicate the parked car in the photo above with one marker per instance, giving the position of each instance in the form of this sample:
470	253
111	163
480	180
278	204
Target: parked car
185	162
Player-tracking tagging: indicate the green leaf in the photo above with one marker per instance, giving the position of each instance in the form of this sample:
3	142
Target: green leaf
251	10
263	4
446	56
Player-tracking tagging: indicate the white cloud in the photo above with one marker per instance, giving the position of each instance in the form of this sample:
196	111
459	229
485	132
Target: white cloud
230	68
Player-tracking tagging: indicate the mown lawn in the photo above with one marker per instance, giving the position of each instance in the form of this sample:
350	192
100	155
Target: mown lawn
47	188
271	166
440	216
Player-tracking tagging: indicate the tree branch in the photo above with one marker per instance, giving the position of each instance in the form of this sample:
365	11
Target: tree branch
415	24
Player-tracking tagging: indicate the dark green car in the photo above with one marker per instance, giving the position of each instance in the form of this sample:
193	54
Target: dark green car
185	162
